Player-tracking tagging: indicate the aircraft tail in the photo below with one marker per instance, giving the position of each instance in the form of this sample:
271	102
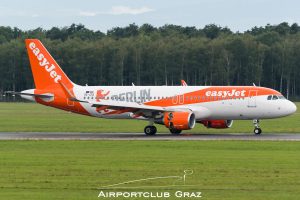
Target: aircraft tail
46	72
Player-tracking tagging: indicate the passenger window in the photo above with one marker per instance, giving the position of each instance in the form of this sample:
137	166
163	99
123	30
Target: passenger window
269	97
274	97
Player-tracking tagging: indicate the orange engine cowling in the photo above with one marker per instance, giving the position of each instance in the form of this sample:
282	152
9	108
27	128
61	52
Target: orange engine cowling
179	120
217	123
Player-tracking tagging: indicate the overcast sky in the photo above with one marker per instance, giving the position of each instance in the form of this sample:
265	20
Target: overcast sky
238	15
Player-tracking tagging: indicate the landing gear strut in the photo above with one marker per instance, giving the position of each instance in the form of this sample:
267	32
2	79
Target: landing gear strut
257	129
150	130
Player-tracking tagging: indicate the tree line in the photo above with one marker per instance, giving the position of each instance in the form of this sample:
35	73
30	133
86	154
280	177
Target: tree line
146	55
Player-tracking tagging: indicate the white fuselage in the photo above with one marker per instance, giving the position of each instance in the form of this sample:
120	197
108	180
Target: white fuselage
221	106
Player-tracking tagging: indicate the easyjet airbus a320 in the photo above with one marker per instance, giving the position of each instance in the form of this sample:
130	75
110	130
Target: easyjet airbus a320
177	107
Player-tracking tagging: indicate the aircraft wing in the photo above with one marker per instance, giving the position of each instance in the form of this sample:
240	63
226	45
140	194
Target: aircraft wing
132	105
119	107
138	109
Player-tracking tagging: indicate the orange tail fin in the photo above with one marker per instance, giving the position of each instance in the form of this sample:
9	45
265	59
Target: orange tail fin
46	72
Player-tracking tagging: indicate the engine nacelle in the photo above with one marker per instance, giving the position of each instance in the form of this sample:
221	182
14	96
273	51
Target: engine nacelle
217	123
178	120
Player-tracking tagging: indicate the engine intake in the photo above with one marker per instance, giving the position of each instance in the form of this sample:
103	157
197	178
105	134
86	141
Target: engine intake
217	123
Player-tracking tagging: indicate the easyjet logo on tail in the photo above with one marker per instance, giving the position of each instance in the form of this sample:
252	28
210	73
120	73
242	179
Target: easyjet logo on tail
232	93
43	62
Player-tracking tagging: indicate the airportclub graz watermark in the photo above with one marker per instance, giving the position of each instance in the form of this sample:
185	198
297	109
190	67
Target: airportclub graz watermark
175	183
147	194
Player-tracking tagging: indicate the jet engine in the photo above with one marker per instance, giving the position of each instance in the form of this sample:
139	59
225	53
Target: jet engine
217	123
178	120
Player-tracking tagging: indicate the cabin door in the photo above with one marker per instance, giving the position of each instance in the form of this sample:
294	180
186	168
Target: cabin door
252	98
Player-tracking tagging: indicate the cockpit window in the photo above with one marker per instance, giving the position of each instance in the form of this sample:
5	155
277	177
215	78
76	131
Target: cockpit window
275	97
269	97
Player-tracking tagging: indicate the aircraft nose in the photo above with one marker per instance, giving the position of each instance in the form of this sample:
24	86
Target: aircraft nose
291	108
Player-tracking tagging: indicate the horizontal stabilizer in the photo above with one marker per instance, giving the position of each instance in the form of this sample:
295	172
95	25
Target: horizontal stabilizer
29	94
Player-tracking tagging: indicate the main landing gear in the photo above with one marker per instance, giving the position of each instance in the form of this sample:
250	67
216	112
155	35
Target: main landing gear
257	129
150	130
173	130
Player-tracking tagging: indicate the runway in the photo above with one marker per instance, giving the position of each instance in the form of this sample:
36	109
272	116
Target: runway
141	136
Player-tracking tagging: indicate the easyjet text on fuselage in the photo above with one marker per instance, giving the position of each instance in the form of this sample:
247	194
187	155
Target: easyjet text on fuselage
224	94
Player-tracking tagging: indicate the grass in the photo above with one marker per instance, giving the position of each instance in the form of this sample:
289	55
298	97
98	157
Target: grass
29	117
66	170
222	169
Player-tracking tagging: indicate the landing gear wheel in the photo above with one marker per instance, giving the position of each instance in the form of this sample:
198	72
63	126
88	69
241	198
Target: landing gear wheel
175	131
257	131
150	130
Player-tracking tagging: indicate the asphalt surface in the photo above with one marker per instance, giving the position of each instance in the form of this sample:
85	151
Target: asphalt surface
141	136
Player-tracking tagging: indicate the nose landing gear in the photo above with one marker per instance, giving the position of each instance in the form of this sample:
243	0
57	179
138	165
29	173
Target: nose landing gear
257	129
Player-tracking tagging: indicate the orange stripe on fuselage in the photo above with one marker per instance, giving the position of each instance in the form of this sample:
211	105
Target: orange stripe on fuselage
214	93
